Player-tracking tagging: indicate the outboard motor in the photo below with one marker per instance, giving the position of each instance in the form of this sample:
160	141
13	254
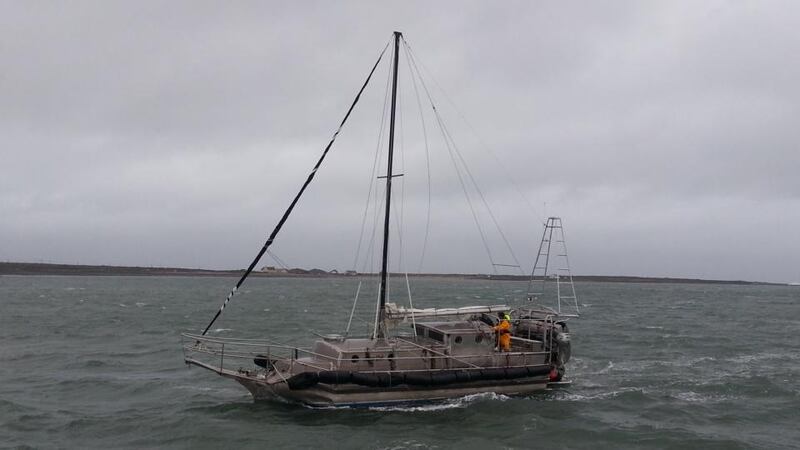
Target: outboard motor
564	347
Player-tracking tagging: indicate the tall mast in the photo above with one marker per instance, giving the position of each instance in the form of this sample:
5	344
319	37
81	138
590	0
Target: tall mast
379	326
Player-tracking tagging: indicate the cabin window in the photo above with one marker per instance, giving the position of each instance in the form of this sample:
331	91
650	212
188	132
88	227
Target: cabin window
458	339
435	335
479	339
420	330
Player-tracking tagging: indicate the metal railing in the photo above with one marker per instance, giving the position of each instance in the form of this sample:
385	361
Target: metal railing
241	354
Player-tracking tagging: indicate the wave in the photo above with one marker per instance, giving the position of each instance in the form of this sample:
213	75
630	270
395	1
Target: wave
606	369
695	397
676	336
688	362
455	403
7	405
763	356
581	397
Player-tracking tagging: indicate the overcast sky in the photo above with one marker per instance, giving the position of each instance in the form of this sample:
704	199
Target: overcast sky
665	134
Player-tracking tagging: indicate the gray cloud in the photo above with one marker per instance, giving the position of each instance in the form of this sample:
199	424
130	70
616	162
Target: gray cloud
174	134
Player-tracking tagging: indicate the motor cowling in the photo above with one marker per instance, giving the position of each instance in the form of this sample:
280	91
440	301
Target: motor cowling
564	347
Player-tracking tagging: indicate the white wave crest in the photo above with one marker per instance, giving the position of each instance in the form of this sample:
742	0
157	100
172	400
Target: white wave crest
694	397
599	395
606	369
745	359
460	402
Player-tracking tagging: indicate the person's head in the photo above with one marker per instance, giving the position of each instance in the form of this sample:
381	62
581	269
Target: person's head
501	315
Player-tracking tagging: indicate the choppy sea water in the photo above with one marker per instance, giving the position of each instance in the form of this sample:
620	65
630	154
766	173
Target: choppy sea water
95	362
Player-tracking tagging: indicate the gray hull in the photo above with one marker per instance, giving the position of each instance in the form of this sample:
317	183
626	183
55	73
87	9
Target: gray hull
445	360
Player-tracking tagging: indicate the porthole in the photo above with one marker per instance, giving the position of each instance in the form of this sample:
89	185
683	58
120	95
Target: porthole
479	339
458	339
354	359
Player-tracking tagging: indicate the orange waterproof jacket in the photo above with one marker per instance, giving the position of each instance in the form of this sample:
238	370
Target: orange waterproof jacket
503	330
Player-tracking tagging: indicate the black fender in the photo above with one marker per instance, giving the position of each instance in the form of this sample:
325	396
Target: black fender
303	380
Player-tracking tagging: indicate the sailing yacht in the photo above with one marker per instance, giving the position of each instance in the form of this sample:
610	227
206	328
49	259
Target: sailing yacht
412	354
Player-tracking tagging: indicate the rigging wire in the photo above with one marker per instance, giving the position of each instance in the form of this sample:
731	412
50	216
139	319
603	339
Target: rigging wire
402	268
466	195
379	199
401	142
373	173
402	262
483	200
483	143
427	157
475	185
352	311
288	211
379	329
402	249
369	259
372	178
277	259
455	165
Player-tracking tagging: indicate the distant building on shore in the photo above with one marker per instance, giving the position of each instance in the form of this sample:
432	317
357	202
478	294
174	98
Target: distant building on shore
299	271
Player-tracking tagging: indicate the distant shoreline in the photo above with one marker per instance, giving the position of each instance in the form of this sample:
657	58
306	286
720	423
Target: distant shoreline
14	268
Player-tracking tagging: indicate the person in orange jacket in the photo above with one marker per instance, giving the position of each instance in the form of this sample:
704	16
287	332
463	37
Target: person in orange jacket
503	330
